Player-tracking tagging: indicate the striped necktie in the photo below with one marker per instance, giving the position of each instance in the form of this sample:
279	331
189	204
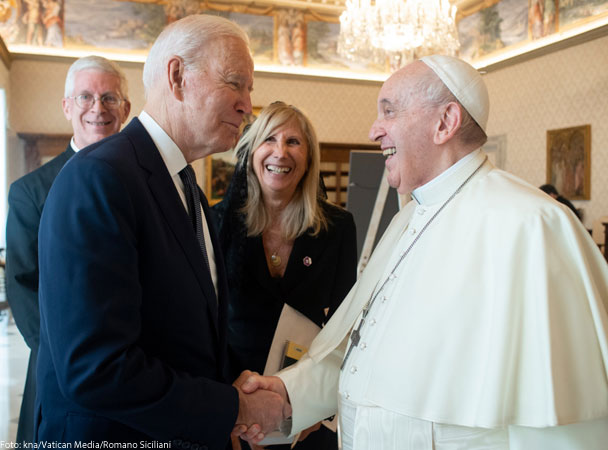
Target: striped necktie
193	200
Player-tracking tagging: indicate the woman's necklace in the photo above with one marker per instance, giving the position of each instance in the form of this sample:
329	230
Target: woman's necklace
276	242
276	246
275	259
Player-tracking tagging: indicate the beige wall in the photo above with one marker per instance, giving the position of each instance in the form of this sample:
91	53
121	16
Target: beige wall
342	112
561	89
558	90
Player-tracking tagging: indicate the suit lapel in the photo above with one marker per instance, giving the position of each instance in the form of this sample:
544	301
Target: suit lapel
164	191
67	154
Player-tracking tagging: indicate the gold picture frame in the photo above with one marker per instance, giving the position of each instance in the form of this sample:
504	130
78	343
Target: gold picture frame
219	167
569	161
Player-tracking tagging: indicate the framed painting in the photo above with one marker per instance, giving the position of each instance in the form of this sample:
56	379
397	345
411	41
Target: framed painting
219	167
569	161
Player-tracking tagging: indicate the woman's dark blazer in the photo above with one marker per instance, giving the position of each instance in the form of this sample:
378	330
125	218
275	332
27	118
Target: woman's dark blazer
320	272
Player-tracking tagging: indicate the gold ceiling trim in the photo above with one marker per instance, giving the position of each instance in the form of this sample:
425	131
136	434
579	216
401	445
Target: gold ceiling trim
329	7
319	10
316	7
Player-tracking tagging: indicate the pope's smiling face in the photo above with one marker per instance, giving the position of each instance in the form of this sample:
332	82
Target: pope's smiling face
404	128
281	161
97	122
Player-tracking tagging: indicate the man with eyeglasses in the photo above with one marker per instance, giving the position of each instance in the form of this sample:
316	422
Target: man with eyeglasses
96	104
94	101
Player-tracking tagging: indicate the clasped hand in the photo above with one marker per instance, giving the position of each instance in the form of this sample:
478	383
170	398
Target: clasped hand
263	405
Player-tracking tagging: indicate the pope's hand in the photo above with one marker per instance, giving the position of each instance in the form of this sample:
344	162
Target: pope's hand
263	405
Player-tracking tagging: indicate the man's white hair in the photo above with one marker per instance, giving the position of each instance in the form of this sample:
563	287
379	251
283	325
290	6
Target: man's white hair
186	38
99	64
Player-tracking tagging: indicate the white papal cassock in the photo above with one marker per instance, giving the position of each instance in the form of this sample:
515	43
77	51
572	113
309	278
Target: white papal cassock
493	334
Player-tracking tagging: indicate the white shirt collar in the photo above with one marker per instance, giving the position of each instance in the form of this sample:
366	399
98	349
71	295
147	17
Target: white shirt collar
444	184
73	145
169	151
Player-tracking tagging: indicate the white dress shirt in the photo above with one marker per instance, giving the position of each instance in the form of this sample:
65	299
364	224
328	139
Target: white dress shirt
175	161
73	145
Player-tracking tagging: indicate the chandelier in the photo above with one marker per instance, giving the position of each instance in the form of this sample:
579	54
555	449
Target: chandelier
396	32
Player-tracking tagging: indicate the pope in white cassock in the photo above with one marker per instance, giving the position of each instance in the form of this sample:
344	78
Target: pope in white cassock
480	321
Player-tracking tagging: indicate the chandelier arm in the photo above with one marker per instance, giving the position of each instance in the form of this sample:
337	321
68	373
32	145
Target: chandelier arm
395	32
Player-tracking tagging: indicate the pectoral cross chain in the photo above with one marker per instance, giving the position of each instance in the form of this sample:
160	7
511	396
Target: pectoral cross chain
355	337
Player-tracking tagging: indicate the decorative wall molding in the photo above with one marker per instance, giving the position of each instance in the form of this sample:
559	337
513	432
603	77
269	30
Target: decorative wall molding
5	55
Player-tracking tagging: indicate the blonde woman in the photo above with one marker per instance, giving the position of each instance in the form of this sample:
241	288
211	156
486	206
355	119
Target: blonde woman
282	241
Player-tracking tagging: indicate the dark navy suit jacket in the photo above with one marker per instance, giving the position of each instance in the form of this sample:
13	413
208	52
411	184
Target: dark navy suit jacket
26	199
133	336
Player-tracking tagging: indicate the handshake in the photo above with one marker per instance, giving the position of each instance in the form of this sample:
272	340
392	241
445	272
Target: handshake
263	405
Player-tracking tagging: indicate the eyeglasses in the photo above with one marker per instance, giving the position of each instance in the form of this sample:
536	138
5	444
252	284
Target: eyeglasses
86	101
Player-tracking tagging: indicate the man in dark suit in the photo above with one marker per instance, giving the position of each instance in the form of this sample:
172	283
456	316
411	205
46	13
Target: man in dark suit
133	288
89	78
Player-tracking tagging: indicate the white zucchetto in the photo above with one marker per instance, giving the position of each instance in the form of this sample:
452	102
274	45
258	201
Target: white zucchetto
465	83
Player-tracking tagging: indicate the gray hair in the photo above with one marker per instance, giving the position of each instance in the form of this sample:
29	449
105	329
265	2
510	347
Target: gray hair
187	39
303	211
99	64
435	93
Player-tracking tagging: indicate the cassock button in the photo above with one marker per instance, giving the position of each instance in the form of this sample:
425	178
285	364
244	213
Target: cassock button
363	346
413	231
347	395
353	369
421	212
372	322
384	298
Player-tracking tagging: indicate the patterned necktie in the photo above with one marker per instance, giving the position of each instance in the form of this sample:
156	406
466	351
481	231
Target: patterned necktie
193	200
